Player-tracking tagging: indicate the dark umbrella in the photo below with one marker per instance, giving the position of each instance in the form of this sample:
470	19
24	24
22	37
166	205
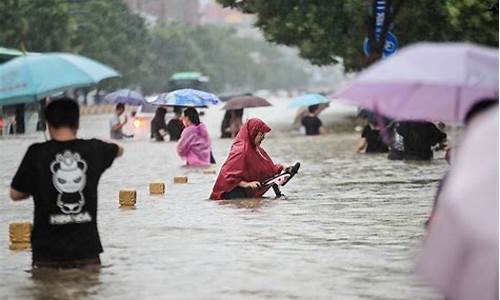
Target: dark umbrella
245	102
228	96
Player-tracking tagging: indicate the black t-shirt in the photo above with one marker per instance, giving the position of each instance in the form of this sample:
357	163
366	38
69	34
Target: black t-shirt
312	125
62	177
174	128
373	140
419	137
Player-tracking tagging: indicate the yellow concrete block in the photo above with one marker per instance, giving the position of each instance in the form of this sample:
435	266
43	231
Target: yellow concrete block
19	246
20	235
209	171
157	188
127	198
180	179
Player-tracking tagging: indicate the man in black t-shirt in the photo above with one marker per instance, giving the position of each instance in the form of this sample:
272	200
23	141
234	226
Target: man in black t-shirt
312	123
62	175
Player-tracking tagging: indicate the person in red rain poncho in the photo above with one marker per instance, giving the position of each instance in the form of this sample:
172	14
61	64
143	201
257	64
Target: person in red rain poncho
246	166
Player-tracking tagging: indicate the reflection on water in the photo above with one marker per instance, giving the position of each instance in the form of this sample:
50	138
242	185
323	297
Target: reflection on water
63	284
244	203
349	228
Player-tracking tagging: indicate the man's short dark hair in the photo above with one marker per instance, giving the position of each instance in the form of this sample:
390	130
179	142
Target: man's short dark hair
313	108
63	112
120	106
192	115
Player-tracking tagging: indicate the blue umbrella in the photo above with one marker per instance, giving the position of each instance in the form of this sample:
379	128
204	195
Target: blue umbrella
186	97
308	99
33	77
125	96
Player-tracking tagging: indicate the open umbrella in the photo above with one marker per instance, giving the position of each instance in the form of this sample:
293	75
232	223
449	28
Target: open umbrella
427	81
460	252
33	77
245	102
307	100
186	97
228	96
125	96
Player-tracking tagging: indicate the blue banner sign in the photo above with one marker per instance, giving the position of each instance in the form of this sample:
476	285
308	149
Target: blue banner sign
379	12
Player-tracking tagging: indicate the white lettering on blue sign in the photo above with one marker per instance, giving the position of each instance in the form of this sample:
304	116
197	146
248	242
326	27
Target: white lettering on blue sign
379	17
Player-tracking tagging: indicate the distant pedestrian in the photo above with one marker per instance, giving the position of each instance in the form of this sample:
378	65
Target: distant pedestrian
414	140
62	176
371	140
225	131
175	125
311	122
236	122
158	125
194	146
116	126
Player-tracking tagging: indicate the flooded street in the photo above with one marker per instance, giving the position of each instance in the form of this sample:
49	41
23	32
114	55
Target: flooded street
349	229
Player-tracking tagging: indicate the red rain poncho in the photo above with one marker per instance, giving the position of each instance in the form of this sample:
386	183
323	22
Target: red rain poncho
246	162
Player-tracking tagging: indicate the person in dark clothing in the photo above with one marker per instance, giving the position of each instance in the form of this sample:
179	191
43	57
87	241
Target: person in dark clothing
225	131
418	138
311	122
158	125
175	125
396	148
62	176
371	140
236	122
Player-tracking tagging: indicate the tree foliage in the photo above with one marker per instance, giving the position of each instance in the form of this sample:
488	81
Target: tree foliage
25	23
328	32
107	31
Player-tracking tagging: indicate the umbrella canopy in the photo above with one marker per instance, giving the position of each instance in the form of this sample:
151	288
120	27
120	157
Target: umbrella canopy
125	96
245	102
427	81
460	252
186	97
228	96
307	100
33	77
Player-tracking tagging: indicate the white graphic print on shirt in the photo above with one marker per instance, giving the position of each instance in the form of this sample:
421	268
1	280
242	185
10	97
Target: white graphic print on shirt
69	179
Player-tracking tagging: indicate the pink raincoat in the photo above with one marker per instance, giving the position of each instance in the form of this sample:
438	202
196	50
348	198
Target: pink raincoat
194	146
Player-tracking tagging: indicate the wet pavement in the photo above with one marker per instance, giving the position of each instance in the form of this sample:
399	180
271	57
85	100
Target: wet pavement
349	229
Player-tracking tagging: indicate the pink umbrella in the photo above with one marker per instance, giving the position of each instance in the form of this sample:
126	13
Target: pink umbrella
427	81
460	253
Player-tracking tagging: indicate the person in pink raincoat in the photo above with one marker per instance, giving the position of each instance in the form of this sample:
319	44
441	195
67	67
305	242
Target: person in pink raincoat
194	146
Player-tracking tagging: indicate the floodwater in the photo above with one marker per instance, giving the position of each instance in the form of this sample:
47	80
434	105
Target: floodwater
350	228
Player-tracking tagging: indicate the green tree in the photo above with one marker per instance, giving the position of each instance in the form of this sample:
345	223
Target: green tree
108	32
36	25
231	62
329	32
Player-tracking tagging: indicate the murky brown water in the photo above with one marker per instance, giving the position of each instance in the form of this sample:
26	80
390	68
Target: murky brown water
349	229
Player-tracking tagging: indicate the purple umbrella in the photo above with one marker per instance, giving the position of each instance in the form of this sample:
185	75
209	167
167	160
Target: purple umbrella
427	81
245	102
460	253
125	96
